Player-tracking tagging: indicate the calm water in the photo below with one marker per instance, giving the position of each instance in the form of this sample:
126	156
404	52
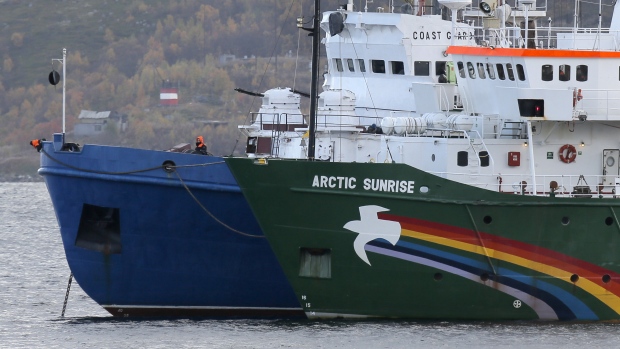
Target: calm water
33	281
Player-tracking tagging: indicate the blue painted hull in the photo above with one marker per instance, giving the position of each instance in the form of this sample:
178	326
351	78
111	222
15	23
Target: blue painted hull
175	258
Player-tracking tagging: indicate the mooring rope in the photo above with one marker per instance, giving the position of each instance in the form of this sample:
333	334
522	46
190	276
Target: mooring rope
168	168
210	214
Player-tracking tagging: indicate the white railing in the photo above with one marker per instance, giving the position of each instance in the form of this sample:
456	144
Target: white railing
580	186
600	102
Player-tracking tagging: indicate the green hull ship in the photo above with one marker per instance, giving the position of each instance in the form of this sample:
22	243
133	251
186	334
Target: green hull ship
444	250
496	198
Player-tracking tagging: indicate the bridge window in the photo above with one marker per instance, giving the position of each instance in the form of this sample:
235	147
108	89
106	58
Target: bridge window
362	65
481	71
491	71
511	74
338	64
470	69
378	66
461	69
582	73
421	68
440	68
398	67
500	72
520	72
564	72
350	65
547	72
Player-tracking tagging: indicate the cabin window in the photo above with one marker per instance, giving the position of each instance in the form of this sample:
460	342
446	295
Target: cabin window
500	72
582	73
470	69
531	107
481	71
350	65
315	262
564	72
461	69
398	68
421	68
378	66
491	71
520	72
547	72
440	68
484	158
511	74
362	65
462	158
338	64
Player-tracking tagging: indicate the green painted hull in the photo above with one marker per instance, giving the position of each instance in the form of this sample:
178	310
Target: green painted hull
459	252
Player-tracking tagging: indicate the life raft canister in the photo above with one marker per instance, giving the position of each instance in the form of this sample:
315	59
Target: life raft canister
568	153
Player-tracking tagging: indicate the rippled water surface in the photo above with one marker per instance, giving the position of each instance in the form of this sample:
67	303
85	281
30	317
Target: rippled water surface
33	281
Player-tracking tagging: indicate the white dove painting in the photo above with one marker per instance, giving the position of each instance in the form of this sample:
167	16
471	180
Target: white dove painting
370	227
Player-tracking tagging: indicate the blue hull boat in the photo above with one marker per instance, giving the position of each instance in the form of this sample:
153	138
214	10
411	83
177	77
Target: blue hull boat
161	233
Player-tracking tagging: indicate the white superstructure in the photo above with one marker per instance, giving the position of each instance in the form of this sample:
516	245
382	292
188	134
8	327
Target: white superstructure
517	108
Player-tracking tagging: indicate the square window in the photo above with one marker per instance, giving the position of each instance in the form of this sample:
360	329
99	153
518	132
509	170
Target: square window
547	72
315	262
421	68
582	73
378	66
398	67
440	68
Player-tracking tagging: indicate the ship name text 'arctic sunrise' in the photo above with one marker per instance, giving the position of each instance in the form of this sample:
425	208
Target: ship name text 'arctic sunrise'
372	184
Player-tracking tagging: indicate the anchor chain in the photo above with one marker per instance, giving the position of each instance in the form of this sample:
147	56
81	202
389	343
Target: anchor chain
64	306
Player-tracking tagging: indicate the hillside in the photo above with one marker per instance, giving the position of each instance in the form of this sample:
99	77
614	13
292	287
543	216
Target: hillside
119	51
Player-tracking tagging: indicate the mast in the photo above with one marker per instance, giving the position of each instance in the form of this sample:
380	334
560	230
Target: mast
315	78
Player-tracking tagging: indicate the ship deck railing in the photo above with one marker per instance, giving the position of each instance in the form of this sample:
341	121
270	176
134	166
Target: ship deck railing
602	103
577	186
487	31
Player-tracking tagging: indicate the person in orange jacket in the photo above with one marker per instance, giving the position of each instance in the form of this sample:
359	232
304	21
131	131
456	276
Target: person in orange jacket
201	148
36	143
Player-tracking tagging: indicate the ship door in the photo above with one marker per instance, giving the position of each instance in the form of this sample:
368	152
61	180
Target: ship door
611	166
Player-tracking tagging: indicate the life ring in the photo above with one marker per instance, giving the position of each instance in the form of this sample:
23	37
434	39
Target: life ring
570	151
577	96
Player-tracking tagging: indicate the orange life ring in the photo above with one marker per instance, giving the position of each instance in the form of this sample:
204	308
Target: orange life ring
568	153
